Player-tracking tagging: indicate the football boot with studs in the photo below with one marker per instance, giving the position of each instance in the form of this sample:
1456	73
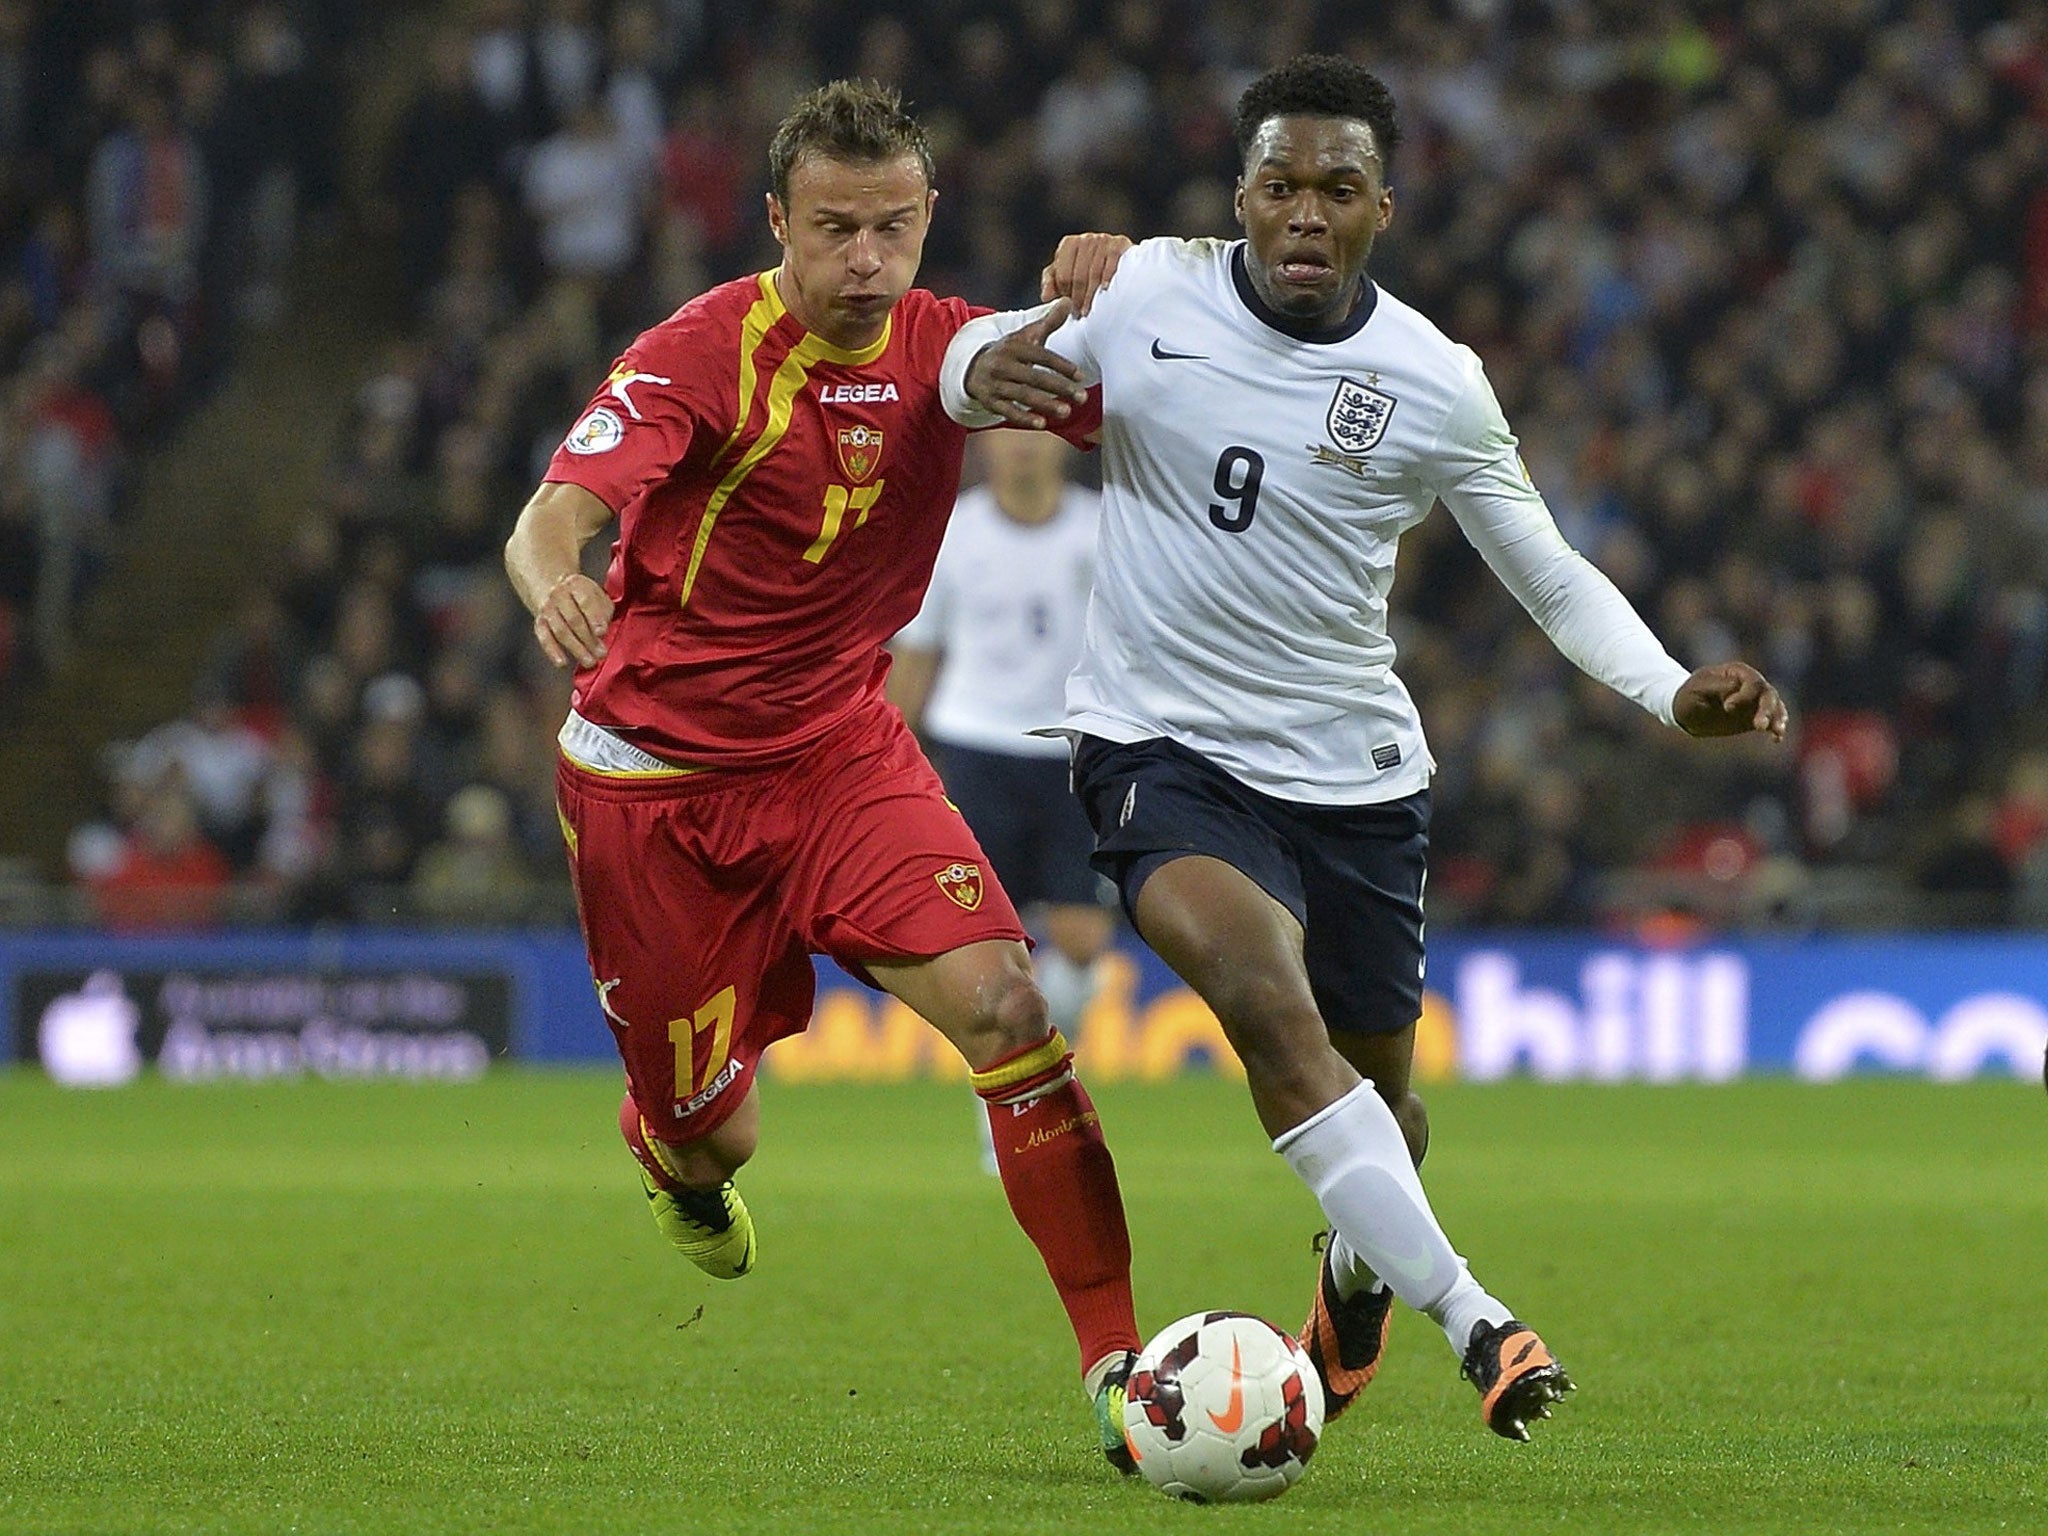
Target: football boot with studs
709	1227
1517	1377
1109	1416
1344	1337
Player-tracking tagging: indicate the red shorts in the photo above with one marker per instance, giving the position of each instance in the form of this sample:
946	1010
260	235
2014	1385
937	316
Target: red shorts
704	896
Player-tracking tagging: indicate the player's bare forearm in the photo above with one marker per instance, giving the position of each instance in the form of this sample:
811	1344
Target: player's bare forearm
911	671
544	559
1731	699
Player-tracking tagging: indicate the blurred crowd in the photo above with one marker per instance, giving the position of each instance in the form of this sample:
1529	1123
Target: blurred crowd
1763	287
153	164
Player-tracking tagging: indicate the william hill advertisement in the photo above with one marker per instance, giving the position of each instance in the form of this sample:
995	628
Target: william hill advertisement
1563	1008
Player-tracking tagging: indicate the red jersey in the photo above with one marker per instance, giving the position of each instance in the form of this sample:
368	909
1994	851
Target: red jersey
780	504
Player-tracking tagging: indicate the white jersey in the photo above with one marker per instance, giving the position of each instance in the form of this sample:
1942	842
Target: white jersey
1255	485
1006	606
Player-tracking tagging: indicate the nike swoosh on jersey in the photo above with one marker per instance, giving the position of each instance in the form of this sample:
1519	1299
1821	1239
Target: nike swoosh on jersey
1177	357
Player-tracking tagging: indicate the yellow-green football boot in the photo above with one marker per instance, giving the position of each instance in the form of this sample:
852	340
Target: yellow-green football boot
1109	1417
709	1227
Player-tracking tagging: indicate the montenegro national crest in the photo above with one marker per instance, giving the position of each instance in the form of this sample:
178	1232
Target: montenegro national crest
1358	416
860	450
962	882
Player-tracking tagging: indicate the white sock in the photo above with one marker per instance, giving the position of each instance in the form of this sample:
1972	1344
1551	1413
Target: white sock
1068	987
1351	1272
988	1138
1353	1158
1096	1374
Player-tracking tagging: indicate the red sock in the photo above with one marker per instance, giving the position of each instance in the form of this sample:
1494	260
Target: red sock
636	1141
1062	1186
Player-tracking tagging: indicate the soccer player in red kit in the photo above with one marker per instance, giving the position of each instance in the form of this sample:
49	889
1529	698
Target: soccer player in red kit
735	792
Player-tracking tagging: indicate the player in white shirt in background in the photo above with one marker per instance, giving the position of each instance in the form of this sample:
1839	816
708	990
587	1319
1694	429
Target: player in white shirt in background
985	663
1256	772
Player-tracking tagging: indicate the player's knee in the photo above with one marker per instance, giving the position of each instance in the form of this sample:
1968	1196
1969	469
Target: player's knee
1268	1017
1279	1037
1016	1014
1005	1014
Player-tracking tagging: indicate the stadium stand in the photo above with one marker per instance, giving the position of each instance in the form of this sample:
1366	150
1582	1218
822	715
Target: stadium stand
1764	288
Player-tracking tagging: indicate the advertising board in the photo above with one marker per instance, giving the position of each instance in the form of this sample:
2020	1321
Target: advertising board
1560	1007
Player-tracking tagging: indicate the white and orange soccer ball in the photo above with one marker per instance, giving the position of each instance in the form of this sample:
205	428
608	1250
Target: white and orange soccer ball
1222	1407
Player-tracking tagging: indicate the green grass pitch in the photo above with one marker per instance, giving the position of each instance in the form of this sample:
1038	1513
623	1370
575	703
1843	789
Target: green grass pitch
347	1308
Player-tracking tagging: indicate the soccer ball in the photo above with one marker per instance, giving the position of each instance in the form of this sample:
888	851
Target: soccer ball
1223	1407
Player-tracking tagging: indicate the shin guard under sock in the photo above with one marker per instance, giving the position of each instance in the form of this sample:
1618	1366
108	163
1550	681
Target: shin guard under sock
1061	1183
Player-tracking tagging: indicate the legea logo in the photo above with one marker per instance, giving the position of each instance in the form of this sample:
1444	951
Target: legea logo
87	1038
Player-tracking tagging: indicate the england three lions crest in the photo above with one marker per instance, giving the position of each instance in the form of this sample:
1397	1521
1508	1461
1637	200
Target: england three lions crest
860	450
1359	416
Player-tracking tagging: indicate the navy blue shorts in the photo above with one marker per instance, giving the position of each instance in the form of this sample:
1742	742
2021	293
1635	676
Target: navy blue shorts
1352	875
1024	817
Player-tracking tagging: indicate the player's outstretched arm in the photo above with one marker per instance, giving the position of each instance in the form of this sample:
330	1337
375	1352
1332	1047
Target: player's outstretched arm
544	559
1731	699
1019	379
1081	267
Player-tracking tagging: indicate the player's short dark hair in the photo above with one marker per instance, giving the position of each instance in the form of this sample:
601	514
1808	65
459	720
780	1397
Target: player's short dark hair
1320	85
860	121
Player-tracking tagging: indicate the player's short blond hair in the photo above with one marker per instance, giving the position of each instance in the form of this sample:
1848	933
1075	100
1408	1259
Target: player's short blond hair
860	121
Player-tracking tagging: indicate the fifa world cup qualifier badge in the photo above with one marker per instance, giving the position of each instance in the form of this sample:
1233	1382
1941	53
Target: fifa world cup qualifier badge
961	882
599	432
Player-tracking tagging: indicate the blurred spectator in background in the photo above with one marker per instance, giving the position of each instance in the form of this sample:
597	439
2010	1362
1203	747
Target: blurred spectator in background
583	186
221	763
704	175
148	208
385	818
61	450
162	873
475	873
255	667
446	142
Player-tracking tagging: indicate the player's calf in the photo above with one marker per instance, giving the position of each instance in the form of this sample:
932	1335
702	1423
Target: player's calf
1062	1187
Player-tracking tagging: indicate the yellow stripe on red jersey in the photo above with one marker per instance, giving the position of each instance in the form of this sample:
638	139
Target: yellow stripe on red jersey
781	502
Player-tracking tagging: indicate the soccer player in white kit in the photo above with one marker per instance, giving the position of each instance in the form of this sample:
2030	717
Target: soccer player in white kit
1256	772
984	663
